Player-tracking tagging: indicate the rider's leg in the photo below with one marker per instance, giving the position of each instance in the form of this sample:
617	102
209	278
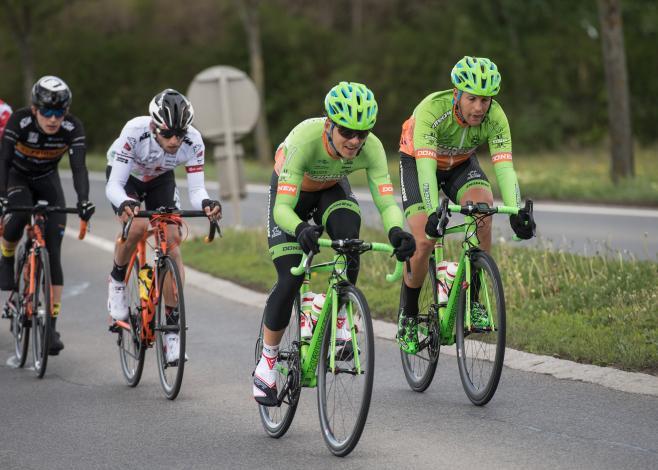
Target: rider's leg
481	194
18	195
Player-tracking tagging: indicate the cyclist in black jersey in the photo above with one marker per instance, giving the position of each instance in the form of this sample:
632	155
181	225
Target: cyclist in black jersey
35	140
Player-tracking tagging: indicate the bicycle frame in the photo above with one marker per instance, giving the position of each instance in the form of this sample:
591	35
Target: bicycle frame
309	353
447	313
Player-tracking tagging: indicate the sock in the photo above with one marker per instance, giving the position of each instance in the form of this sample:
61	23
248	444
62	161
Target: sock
7	252
56	307
119	272
411	295
270	352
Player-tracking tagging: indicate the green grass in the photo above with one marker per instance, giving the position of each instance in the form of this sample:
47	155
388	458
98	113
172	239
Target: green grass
565	176
596	310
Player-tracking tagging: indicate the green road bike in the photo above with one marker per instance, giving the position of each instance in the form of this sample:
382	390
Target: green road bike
474	315
342	373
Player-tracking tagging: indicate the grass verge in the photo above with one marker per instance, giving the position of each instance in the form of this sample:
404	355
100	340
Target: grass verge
597	310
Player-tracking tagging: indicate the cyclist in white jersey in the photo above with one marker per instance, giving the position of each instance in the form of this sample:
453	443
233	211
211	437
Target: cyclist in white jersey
5	112
140	169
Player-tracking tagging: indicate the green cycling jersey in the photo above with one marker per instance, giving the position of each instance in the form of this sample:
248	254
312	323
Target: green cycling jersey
437	138
304	163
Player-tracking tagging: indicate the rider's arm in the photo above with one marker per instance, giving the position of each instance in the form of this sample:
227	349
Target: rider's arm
288	190
196	185
380	185
77	154
500	147
426	156
9	139
121	156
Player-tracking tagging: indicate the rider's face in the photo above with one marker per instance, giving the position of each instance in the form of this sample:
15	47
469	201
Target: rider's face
171	144
49	125
348	147
474	108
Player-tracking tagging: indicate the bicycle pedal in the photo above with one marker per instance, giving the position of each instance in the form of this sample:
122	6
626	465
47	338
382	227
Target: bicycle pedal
114	328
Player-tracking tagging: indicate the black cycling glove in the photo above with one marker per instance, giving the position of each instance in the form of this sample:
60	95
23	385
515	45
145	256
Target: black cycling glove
403	242
86	209
523	225
307	236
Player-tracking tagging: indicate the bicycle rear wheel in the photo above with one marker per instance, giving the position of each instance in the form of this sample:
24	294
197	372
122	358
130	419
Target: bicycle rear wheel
277	419
20	324
419	368
344	393
41	313
481	349
131	348
170	319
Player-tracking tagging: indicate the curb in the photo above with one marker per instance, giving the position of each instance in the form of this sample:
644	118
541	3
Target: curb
630	382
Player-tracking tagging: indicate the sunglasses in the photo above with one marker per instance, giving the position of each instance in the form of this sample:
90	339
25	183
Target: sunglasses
351	133
169	133
50	112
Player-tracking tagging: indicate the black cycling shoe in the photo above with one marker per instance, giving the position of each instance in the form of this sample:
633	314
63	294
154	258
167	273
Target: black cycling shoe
56	344
270	398
6	273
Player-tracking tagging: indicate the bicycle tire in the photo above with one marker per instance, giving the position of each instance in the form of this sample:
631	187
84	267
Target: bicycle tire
339	435
41	313
277	419
171	383
132	349
419	368
481	351
20	325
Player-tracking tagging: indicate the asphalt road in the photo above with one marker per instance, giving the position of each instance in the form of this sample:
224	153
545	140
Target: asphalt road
83	416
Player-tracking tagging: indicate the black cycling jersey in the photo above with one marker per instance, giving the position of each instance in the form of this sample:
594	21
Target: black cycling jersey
35	154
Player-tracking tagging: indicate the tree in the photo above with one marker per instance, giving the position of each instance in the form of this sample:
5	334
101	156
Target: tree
619	114
250	20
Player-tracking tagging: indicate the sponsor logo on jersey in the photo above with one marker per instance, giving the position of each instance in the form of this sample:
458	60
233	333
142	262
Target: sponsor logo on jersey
386	189
33	137
194	168
287	189
473	174
41	154
501	157
127	146
425	153
132	141
441	119
121	159
25	122
144	136
68	125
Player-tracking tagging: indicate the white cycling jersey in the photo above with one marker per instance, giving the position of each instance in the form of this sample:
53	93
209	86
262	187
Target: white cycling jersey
136	153
5	112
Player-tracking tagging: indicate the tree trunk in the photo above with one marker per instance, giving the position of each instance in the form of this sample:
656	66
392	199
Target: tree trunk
619	114
19	18
250	21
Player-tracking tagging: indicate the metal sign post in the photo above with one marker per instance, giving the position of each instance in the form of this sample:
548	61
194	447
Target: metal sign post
230	150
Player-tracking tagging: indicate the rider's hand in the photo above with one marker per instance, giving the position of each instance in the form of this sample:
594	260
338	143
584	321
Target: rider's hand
128	208
403	242
212	208
523	225
86	209
307	236
431	227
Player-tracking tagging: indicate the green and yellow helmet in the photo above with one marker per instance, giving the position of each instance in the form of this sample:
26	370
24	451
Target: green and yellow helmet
476	75
351	105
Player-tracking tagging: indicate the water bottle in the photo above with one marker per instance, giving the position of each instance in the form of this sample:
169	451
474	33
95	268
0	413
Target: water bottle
305	325
445	276
145	281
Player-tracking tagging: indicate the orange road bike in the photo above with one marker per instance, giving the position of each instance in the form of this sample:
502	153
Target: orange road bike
155	309
30	304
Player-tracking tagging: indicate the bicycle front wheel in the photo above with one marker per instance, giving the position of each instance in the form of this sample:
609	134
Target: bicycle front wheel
131	347
41	314
344	392
277	419
169	323
419	368
20	323
481	348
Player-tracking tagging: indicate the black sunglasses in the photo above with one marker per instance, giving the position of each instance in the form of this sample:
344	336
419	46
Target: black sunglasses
169	133
351	133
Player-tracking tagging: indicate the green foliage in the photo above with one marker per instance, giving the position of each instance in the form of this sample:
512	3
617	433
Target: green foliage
598	309
117	54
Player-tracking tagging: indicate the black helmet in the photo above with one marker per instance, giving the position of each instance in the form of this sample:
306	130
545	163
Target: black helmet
51	92
171	110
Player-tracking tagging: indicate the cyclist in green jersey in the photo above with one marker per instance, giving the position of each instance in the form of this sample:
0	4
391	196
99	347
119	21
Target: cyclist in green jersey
310	182
437	151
